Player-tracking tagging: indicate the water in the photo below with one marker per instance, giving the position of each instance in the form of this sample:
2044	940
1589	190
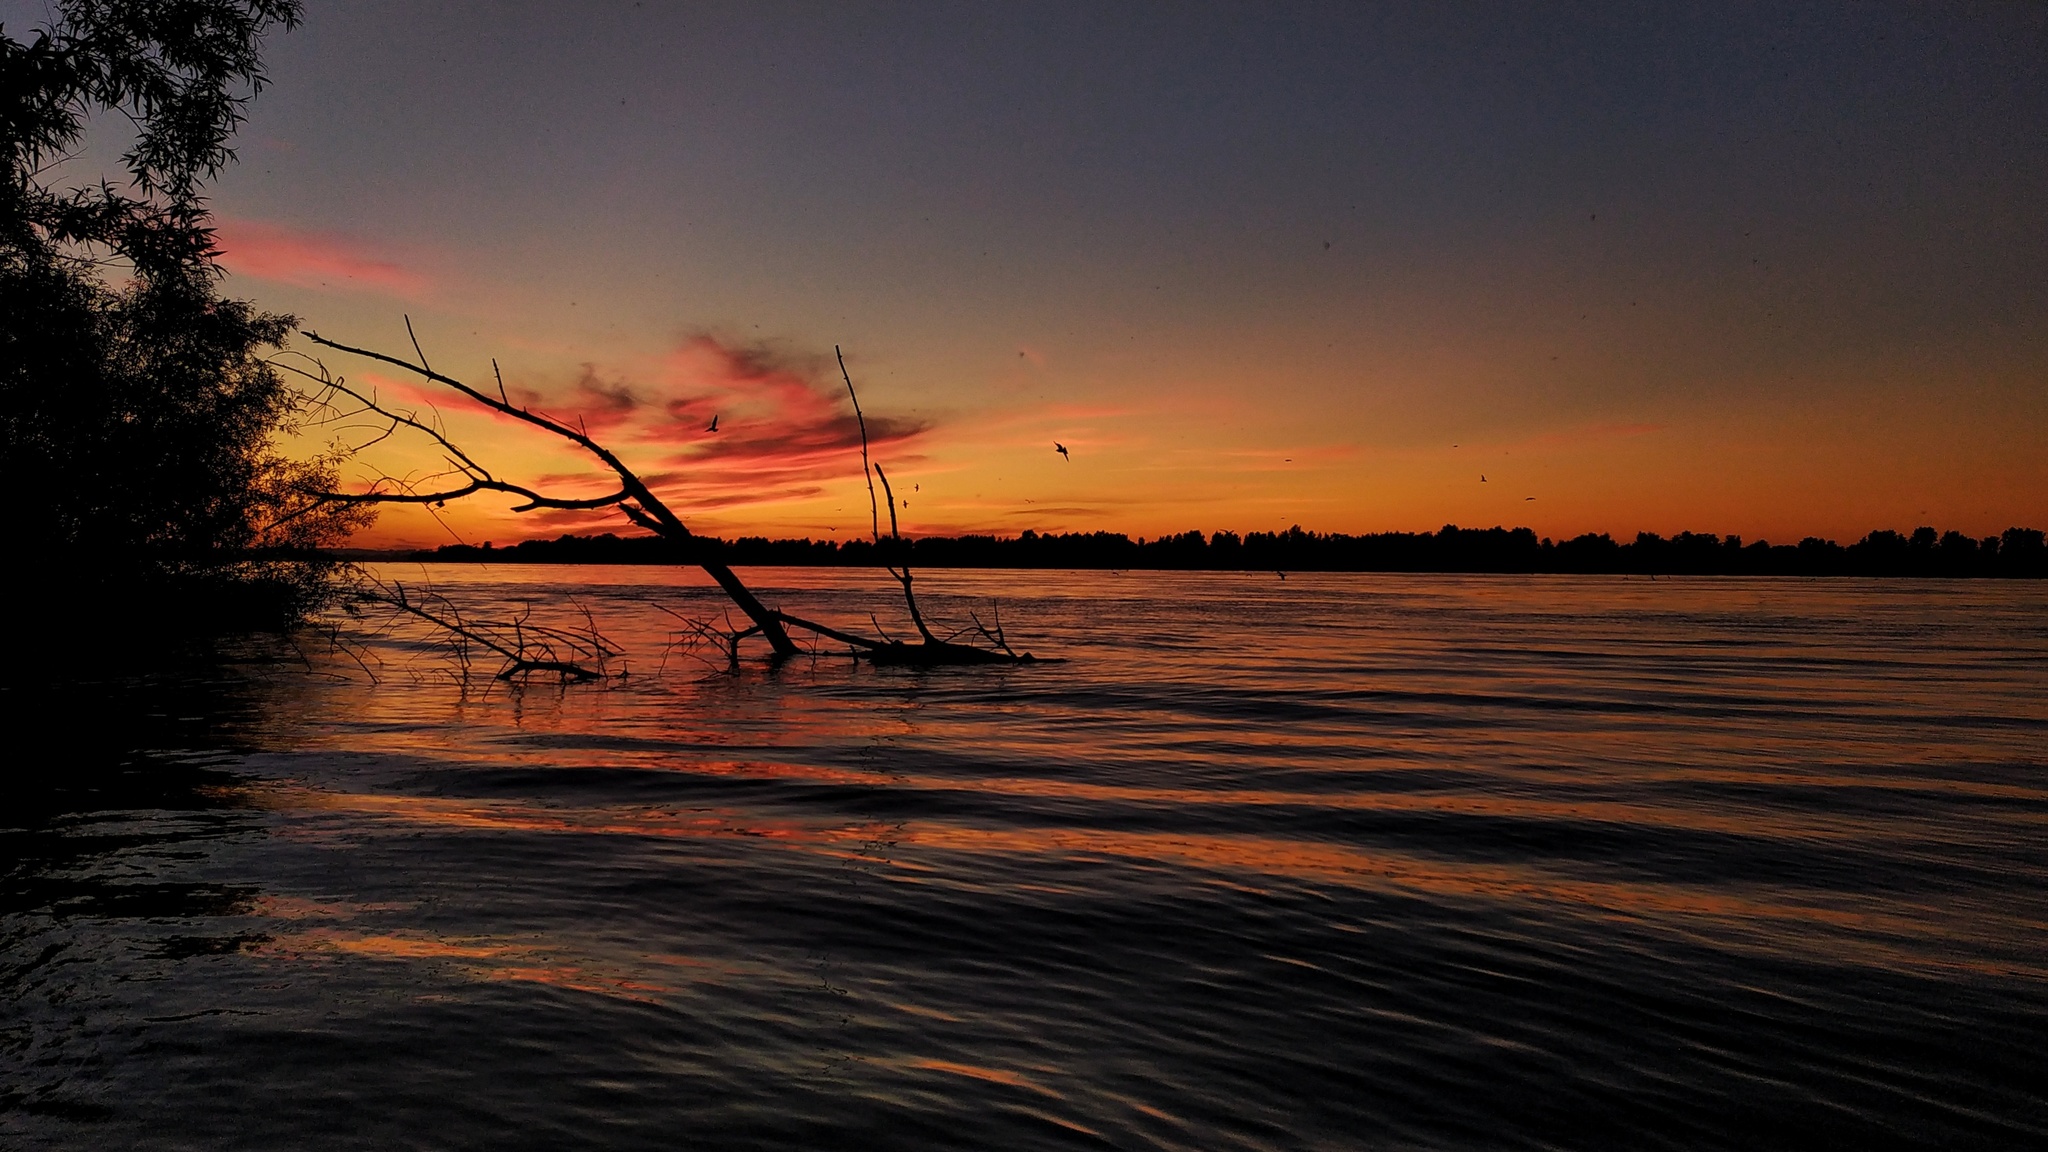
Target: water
1339	861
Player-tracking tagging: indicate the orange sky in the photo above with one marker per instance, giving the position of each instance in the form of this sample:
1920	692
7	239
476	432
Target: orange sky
1734	271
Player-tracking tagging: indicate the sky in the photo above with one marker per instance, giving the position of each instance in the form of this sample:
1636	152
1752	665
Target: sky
1772	270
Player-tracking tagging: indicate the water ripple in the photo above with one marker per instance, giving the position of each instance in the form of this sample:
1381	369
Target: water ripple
1401	861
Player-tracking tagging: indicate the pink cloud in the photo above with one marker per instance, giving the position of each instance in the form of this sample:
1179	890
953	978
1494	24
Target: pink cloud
591	403
787	431
403	394
310	259
603	405
785	427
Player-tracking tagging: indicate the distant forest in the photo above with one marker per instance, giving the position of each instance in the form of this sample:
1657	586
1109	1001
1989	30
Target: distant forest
2017	552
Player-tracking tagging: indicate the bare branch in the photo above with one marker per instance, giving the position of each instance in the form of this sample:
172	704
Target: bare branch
416	343
874	521
650	507
891	494
528	648
480	479
903	576
995	635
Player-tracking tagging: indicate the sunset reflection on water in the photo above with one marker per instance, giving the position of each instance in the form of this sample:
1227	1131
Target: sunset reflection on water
1254	866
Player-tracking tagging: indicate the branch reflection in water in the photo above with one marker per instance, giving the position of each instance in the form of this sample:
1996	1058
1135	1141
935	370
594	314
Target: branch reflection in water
1704	861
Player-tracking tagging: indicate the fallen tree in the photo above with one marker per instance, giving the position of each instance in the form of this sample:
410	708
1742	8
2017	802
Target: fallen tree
634	499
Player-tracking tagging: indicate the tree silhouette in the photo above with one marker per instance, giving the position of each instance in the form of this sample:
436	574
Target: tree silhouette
134	398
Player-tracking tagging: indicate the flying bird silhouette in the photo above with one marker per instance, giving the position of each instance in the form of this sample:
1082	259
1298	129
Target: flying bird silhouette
1482	478
1062	450
714	425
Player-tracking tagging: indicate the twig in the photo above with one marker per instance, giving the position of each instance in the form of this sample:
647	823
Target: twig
416	345
903	576
531	647
528	647
874	521
635	498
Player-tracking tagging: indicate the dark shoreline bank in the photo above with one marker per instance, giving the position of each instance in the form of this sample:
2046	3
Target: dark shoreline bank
2016	553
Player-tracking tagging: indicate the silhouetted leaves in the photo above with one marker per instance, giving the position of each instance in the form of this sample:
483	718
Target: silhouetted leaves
137	414
2018	552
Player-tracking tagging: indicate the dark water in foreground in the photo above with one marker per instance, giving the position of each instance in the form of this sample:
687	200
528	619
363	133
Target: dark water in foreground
1344	861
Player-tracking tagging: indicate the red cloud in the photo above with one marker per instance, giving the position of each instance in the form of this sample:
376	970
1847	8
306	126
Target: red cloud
594	404
614	399
310	259
403	394
785	426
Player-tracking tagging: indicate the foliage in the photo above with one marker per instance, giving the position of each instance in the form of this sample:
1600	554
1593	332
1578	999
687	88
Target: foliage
2018	552
135	402
177	70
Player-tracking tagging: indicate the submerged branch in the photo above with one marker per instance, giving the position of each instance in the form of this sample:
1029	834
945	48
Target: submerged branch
933	651
646	508
902	574
527	648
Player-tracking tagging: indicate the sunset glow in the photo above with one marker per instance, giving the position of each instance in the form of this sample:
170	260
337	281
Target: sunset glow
1281	270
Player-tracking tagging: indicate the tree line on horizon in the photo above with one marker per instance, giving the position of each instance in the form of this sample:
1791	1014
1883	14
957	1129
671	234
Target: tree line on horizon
2016	552
145	412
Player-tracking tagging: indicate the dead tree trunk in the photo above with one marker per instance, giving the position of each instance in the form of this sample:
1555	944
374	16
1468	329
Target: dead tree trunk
640	505
633	497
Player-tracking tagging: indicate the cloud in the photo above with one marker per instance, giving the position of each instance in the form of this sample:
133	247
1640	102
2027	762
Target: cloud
1039	512
602	405
311	259
784	426
406	395
787	433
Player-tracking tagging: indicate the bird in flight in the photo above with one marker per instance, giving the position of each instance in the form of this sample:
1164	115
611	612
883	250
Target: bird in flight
714	425
1062	450
1482	477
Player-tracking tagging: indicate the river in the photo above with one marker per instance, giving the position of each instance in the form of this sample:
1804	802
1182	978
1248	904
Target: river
1335	860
